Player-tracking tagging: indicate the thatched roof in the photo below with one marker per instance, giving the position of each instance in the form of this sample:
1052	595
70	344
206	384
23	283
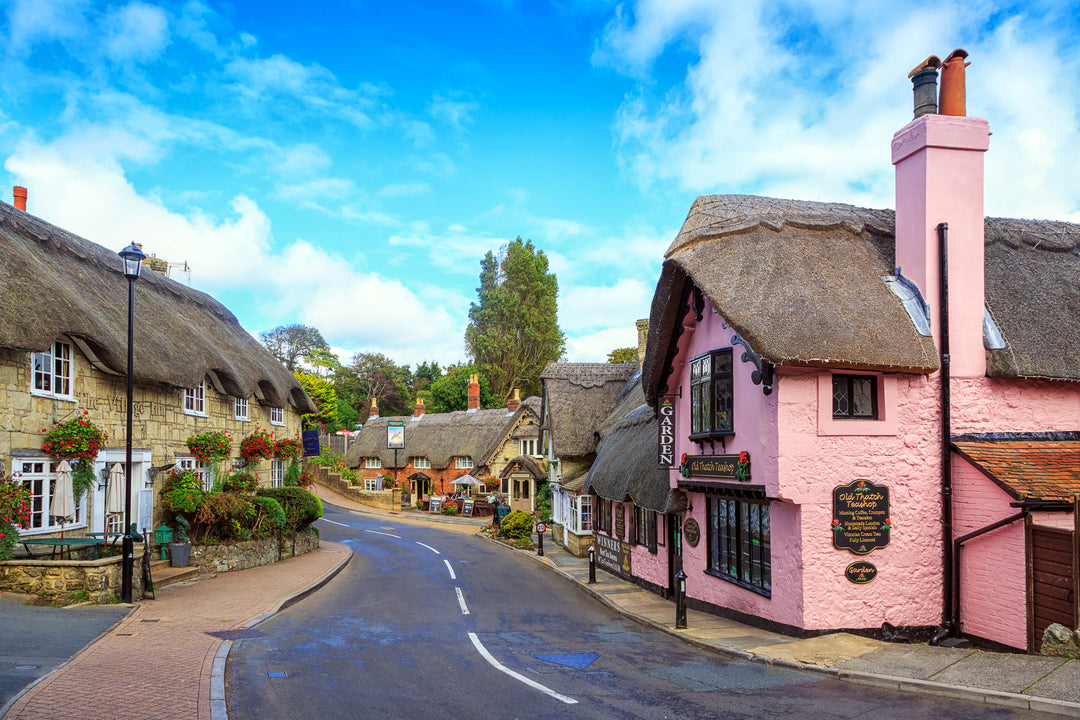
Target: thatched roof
626	462
524	463
578	397
440	437
56	283
801	283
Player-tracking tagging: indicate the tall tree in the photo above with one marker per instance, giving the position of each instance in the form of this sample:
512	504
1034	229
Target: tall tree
513	330
623	355
374	375
292	343
321	392
426	373
451	391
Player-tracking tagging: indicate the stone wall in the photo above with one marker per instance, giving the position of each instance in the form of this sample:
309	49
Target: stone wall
212	559
384	499
100	579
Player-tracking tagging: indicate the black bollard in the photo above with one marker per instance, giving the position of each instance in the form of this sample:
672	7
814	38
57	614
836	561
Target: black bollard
540	545
680	600
592	564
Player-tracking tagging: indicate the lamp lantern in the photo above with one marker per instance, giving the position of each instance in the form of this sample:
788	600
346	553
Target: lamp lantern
133	257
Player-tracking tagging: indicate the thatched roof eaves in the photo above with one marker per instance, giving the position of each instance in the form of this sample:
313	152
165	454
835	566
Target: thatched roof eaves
525	463
57	283
579	397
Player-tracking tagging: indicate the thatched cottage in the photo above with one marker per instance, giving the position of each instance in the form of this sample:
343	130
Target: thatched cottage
63	353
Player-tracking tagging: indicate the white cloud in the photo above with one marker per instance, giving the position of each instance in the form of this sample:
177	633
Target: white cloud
452	111
35	21
596	346
584	308
136	32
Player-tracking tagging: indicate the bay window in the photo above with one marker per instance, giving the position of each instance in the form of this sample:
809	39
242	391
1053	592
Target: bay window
738	544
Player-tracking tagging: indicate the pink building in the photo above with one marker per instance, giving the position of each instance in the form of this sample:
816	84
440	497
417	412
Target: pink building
850	442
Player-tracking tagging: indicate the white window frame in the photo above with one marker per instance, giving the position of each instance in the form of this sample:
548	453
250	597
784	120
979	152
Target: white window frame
241	406
581	514
52	369
422	463
195	400
40	475
201	469
463	462
277	473
527	446
373	483
372	463
277	416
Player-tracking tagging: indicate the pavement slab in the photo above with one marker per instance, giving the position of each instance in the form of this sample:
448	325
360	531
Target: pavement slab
1063	683
824	651
920	662
998	671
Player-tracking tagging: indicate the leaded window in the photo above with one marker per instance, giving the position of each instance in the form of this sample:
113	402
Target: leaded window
739	538
854	397
712	395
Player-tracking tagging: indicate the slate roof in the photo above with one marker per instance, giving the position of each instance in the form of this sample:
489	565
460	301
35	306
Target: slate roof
579	397
441	437
801	282
56	283
1027	467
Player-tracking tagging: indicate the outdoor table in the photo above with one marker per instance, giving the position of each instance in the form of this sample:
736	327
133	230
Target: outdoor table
105	536
59	543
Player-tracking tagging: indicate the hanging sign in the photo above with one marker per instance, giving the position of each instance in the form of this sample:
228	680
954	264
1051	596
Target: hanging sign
692	532
861	521
666	430
395	434
860	572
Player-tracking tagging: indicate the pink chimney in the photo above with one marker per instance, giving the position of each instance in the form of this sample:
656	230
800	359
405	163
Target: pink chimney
939	179
474	393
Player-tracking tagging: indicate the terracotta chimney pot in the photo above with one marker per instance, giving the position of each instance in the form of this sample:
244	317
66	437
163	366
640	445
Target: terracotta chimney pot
419	409
20	198
953	86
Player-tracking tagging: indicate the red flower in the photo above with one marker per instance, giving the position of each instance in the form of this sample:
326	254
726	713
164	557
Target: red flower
744	457
835	522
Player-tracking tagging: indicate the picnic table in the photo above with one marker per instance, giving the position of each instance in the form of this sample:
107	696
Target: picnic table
60	543
104	537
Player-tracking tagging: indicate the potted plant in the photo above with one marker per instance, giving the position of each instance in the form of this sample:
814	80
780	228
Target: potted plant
180	547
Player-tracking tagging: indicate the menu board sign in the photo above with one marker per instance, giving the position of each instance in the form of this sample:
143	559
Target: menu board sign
861	521
613	556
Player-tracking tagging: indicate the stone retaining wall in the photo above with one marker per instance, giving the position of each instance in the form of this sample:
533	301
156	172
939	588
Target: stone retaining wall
99	579
212	559
384	499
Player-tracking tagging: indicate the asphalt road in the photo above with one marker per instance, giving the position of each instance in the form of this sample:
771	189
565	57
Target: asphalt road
432	623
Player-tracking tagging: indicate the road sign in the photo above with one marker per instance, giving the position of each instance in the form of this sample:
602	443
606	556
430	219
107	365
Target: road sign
541	528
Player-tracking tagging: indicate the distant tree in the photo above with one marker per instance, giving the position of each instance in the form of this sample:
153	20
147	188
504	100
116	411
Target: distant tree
623	355
321	392
292	343
426	373
513	330
374	375
451	391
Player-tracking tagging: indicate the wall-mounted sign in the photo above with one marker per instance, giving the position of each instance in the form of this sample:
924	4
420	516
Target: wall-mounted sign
860	572
395	434
666	439
725	467
613	556
691	532
861	521
620	521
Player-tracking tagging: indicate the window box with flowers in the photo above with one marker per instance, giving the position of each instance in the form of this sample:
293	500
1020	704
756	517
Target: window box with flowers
80	440
259	445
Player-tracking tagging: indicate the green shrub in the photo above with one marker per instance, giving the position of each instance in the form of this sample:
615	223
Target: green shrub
269	516
182	491
518	524
292	474
222	516
300	506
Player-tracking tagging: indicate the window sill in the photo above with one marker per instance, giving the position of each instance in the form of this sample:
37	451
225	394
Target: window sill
52	396
705	437
277	424
192	413
50	530
744	585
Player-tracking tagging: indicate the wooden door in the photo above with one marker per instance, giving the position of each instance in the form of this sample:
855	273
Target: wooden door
1052	581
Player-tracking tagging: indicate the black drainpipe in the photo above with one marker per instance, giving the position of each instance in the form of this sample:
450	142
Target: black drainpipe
949	626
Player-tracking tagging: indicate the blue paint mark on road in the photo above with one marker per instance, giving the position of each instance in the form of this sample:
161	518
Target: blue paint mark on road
276	675
579	661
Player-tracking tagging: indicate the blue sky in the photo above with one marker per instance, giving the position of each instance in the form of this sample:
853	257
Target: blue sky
346	164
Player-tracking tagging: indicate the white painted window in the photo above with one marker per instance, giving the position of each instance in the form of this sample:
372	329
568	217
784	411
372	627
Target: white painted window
277	473
277	416
53	372
201	469
462	462
195	399
527	447
373	483
421	463
40	476
372	463
241	409
581	514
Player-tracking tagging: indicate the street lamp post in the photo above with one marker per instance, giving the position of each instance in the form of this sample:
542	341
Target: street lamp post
133	258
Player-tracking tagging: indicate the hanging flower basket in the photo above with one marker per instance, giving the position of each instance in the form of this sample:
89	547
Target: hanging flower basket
75	439
210	446
259	445
288	449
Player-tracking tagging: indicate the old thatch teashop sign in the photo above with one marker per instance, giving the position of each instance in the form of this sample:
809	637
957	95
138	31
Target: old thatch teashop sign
666	439
861	521
722	467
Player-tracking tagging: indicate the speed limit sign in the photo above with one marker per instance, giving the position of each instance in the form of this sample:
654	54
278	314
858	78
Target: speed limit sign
540	528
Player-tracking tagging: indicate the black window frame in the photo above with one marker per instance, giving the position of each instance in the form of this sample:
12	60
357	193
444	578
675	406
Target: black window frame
731	552
645	528
848	380
719	381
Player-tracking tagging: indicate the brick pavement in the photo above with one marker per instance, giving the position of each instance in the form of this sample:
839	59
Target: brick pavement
157	661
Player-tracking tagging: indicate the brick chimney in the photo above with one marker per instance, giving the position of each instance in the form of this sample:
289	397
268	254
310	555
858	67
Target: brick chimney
20	198
418	411
642	340
374	412
474	393
939	179
513	403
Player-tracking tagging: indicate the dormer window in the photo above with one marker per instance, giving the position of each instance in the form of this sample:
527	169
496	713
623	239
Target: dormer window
241	409
462	462
277	416
712	397
195	399
53	371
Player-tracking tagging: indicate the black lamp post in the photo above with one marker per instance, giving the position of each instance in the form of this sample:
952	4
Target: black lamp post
133	258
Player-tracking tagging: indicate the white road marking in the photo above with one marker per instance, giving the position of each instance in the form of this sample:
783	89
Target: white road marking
461	601
517	676
334	523
428	547
451	569
376	532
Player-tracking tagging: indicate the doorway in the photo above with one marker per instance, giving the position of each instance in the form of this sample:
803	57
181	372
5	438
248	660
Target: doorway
521	497
673	528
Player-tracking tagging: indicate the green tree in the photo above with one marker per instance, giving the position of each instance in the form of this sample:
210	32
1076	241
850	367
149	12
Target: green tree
623	355
321	391
513	330
426	373
451	391
374	375
292	343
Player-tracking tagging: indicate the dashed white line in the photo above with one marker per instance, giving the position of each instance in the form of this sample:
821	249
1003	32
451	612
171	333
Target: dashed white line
451	569
376	532
517	676
428	547
461	601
